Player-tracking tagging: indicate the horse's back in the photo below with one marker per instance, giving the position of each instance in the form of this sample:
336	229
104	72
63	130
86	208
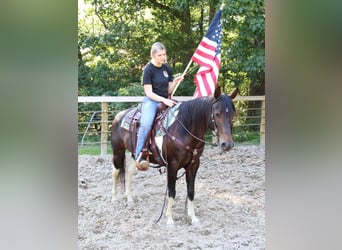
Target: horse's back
118	118
119	136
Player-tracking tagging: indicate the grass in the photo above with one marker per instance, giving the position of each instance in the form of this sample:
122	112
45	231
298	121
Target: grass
245	138
92	149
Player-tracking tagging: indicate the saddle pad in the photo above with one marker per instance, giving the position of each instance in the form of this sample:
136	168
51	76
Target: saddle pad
129	117
169	119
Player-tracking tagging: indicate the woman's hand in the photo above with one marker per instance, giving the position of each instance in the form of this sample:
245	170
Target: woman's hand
179	79
174	84
169	102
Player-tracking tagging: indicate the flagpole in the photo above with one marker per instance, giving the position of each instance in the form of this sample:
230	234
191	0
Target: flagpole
183	74
187	67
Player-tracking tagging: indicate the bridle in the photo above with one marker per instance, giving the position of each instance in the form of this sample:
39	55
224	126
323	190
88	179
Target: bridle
212	119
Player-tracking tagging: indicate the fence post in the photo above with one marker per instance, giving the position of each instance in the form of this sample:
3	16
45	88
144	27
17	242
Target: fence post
262	124
104	127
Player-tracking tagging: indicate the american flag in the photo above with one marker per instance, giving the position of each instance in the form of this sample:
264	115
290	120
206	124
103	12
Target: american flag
208	56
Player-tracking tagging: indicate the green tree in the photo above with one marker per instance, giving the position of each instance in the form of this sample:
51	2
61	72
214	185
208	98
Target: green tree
244	63
115	38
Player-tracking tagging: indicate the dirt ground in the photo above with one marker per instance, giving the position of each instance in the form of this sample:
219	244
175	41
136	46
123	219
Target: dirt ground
229	202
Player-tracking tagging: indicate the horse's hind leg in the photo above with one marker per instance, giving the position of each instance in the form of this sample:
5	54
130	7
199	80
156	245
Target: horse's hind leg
115	176
190	180
130	173
118	172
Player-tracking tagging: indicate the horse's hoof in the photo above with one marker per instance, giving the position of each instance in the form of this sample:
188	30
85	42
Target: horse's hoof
195	221
170	223
114	199
130	200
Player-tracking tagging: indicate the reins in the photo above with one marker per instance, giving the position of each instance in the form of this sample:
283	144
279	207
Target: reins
162	211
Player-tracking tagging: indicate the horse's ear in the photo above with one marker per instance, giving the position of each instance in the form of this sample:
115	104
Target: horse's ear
217	92
235	92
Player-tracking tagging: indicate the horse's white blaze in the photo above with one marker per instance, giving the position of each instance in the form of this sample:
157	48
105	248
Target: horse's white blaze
115	175
131	170
191	212
169	211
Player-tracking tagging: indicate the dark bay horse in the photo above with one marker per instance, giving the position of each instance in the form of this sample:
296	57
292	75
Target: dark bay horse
181	146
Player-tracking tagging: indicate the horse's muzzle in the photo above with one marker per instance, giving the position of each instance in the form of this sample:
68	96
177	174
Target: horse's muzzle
226	146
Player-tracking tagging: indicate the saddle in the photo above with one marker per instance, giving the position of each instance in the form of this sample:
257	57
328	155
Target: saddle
162	120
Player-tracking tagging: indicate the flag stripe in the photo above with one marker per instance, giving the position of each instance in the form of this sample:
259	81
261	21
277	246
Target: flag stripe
206	83
206	79
213	65
206	45
202	57
205	52
207	48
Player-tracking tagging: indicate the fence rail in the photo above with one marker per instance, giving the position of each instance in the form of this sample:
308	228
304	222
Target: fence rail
101	99
106	115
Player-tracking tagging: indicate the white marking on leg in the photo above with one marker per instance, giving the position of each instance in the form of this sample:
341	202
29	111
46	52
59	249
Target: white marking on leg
170	202
115	175
131	170
159	142
191	212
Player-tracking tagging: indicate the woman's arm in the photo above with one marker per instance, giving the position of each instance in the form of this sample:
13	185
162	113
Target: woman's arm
173	84
149	93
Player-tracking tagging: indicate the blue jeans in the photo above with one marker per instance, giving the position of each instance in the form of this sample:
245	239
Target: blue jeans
148	112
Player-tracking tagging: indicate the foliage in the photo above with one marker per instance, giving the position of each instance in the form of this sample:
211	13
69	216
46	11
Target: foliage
245	54
245	136
115	37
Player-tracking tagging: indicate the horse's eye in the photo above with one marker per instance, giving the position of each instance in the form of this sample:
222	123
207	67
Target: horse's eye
217	114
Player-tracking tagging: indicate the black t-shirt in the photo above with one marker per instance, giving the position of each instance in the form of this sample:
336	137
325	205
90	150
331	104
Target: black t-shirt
159	77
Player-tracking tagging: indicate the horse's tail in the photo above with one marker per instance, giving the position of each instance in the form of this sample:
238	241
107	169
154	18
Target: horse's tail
122	178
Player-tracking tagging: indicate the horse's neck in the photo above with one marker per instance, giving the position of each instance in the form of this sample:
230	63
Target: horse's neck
200	117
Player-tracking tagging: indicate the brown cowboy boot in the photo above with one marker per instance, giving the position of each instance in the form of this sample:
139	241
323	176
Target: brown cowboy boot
142	163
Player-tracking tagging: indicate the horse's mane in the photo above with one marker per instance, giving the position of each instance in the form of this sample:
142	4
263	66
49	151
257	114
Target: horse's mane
195	113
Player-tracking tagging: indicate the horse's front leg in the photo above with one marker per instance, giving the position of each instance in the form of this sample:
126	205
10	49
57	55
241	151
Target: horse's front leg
191	212
190	180
171	185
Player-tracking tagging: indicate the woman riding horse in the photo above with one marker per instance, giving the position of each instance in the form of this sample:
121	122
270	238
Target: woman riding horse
158	84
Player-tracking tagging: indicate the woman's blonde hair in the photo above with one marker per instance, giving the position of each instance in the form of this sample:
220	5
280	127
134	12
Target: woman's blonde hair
156	47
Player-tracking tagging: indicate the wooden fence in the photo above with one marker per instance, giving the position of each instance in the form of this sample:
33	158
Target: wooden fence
104	100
